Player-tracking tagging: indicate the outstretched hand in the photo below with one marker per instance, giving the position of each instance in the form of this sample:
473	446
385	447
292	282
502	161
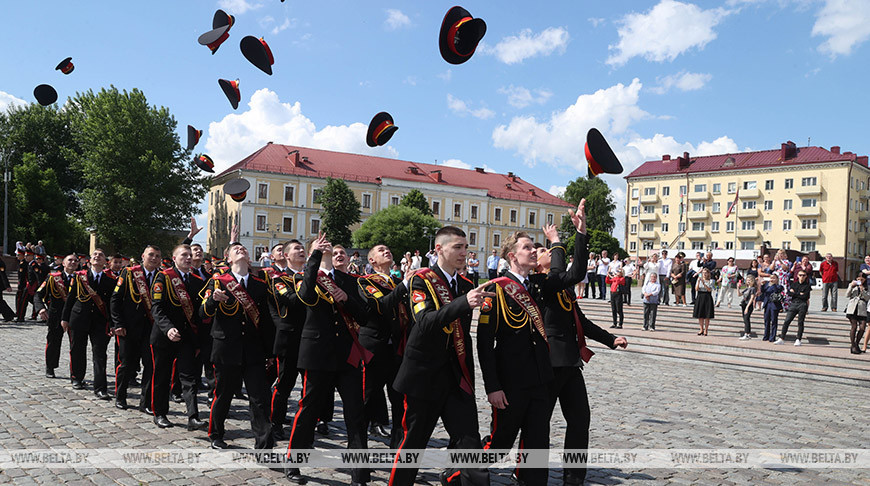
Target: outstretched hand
578	217
234	233
621	342
322	244
551	233
194	229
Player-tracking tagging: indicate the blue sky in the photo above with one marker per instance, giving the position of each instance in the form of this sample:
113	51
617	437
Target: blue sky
655	77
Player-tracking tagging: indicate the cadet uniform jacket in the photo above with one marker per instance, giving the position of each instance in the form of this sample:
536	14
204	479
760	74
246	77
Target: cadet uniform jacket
168	311
387	315
80	309
237	338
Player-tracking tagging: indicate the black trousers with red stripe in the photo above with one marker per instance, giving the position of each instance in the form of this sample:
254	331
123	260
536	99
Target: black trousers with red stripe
53	341
569	389
528	409
287	374
380	371
180	355
458	413
130	350
228	380
318	389
96	333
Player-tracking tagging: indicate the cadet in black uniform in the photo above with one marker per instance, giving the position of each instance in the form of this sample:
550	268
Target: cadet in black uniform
24	296
437	370
53	293
329	355
242	333
86	312
384	334
132	320
5	310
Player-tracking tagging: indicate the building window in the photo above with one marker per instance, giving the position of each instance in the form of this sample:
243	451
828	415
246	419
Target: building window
457	211
634	210
681	227
809	202
768	185
315	226
729	226
789	183
262	190
288	225
786	245
436	210
716	207
682	189
681	245
647	227
747	245
714	226
729	245
808	246
697	245
714	245
649	191
632	246
394	200
749	185
288	193
748	225
768	205
698	226
666	209
634	193
261	222
748	204
649	209
717	188
808	181
472	238
732	187
367	201
496	240
699	207
786	205
786	225
315	195
633	229
767	225
549	218
513	215
498	214
666	191
810	223
473	212
532	219
664	227
700	187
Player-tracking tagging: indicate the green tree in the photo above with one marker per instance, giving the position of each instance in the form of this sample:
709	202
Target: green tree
399	227
599	204
138	181
39	206
416	199
599	240
340	210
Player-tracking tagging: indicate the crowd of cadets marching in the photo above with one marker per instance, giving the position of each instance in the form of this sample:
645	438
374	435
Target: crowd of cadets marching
188	317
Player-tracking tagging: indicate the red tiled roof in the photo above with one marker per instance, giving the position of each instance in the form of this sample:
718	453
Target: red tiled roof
366	168
745	160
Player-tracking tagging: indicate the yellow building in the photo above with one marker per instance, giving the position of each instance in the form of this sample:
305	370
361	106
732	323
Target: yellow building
808	199
285	179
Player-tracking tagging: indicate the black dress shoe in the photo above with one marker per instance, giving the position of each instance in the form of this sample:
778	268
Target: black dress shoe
146	410
49	373
102	395
278	432
322	428
219	444
77	385
194	423
177	398
357	483
162	422
378	430
121	403
295	476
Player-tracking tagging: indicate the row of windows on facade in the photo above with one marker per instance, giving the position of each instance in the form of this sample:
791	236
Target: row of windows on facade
787	205
767	225
366	203
806	246
732	187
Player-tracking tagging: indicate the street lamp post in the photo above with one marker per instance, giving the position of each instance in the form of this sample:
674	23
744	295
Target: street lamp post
6	200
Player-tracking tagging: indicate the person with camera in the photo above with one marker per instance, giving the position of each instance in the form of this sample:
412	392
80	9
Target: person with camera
771	293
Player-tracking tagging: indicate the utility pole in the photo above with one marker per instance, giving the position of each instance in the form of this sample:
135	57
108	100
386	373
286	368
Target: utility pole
6	199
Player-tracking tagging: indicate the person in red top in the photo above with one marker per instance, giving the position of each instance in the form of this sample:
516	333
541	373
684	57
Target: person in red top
830	277
616	297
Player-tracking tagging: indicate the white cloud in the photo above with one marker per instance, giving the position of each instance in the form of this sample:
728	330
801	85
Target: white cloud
515	49
520	97
267	119
238	7
269	21
664	32
557	190
653	148
7	100
412	80
683	81
596	21
396	19
446	75
455	163
559	140
461	108
845	23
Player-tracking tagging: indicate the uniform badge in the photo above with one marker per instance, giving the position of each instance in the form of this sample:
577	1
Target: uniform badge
419	307
418	296
371	289
207	294
158	290
298	284
281	288
487	305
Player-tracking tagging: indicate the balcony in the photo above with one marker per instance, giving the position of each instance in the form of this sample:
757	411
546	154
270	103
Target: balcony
704	214
750	193
813	211
807	233
649	217
699	196
646	235
863	235
748	213
649	199
697	235
748	234
808	190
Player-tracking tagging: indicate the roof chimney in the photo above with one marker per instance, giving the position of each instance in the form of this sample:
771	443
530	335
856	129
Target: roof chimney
480	169
508	186
684	161
862	160
666	157
436	175
788	151
532	191
836	149
305	159
293	157
512	176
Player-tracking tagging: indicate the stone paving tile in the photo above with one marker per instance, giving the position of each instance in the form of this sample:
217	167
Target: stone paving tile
638	401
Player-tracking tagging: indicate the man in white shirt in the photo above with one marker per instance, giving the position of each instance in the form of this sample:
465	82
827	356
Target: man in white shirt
433	258
603	262
665	265
492	265
694	271
416	260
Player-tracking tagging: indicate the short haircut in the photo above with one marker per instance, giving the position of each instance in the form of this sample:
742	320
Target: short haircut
116	255
448	232
183	246
98	250
230	247
511	242
294	241
335	247
381	244
196	245
276	246
153	247
538	245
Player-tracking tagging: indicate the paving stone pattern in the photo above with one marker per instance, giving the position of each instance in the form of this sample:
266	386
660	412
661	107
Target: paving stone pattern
638	401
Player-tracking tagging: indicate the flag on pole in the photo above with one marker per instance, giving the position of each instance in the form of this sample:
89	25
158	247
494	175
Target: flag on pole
733	204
